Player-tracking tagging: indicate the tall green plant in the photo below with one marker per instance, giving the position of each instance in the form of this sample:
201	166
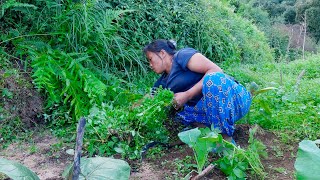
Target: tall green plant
65	80
91	27
209	26
223	35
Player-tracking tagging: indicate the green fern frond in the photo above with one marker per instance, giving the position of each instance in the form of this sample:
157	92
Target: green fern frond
14	4
65	80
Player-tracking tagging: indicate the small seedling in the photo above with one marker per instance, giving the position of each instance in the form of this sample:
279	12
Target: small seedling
33	149
6	93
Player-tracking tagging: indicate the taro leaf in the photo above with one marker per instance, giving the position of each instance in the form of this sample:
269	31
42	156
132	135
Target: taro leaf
201	149
190	137
16	170
308	160
101	168
213	137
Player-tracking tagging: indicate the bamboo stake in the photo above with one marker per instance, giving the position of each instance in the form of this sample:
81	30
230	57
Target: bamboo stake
77	154
305	33
298	80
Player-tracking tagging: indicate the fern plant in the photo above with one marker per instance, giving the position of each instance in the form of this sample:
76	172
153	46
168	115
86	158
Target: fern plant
65	80
15	6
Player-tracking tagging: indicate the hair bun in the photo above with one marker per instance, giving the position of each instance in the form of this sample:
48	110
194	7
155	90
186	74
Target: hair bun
172	44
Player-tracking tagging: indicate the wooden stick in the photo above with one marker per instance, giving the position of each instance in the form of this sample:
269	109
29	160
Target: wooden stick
77	154
305	34
203	173
299	79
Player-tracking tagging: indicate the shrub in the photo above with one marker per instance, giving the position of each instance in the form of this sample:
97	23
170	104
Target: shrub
294	106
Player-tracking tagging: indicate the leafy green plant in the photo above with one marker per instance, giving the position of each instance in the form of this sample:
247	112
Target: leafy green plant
202	142
126	128
234	161
92	28
308	158
66	81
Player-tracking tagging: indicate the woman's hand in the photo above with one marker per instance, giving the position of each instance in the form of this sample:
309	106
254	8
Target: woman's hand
180	99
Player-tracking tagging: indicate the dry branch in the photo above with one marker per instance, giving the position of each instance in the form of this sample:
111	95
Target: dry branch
204	172
299	79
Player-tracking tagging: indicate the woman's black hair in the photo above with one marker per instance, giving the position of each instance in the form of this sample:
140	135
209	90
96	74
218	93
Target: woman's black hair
156	46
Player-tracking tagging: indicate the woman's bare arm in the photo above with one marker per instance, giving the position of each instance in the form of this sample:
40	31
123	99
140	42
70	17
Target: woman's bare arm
200	64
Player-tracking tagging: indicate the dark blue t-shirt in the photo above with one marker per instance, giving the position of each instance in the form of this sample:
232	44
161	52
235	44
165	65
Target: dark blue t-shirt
180	78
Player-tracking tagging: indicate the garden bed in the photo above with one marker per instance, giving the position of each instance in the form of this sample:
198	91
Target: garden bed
46	155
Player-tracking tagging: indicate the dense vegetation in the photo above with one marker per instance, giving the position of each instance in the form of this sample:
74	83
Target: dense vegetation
88	53
290	25
85	59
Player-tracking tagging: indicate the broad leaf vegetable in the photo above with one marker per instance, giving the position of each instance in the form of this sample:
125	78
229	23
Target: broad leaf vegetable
16	170
308	160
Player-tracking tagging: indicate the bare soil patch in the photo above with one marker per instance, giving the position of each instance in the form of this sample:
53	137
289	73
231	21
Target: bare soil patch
43	154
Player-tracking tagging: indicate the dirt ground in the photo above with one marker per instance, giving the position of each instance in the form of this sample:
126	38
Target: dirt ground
278	165
44	155
47	157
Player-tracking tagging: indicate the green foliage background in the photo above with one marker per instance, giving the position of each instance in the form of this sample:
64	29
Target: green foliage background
292	108
86	60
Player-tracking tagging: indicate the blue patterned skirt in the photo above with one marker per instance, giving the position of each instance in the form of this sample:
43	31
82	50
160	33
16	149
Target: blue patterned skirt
223	103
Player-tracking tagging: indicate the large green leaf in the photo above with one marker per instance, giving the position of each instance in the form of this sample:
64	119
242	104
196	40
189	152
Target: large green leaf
16	170
201	146
308	160
201	152
190	137
101	168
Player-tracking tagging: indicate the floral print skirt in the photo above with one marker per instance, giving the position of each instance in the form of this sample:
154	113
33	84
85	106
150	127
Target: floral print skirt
224	102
